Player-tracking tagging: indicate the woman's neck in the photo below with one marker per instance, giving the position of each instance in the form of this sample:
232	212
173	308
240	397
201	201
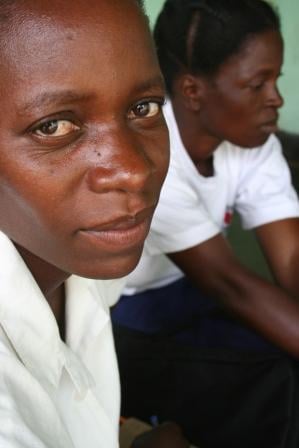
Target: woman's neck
51	280
56	301
198	143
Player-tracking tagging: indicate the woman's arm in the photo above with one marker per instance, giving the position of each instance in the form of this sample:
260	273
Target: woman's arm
167	435
135	433
279	241
214	268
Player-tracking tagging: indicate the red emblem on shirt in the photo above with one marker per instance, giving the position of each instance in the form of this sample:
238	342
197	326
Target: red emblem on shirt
228	216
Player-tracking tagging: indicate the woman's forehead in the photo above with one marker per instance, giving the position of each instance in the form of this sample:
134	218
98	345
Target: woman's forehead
44	37
260	52
13	8
30	19
79	57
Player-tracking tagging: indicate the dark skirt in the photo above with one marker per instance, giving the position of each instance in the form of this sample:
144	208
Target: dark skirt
222	398
183	358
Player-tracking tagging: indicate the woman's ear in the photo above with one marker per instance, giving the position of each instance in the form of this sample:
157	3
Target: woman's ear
191	89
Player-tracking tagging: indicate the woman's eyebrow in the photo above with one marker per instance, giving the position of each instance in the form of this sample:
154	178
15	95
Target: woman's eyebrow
263	71
156	82
49	98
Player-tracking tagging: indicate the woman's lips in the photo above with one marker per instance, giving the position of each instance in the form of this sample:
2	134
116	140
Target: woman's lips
120	238
121	233
270	127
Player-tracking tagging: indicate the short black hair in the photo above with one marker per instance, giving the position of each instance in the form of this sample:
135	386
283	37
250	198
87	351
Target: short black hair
200	35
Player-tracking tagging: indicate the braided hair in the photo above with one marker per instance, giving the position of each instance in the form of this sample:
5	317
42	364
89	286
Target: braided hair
200	35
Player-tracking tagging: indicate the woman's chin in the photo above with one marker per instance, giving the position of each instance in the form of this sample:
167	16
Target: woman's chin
113	268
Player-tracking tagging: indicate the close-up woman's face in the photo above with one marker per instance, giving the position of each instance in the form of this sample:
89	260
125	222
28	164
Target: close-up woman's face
241	101
83	143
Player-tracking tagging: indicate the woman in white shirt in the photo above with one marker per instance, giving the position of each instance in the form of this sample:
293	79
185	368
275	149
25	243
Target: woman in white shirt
83	153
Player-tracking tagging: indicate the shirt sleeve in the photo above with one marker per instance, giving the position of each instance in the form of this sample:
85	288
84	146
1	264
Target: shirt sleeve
265	192
181	220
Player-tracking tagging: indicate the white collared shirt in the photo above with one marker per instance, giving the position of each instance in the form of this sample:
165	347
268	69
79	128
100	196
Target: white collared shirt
53	394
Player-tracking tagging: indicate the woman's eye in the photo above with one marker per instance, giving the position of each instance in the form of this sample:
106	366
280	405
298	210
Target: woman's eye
146	109
256	85
56	128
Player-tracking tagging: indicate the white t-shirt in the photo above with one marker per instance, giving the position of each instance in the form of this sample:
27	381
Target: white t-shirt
192	208
52	394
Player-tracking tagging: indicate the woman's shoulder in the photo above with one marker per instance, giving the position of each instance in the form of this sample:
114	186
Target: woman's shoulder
232	152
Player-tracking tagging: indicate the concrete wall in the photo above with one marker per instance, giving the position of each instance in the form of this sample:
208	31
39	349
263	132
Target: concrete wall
289	12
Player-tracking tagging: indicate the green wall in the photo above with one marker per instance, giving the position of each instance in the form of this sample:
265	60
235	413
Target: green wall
153	7
289	12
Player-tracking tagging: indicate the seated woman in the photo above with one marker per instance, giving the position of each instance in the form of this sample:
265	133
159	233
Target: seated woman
184	355
83	153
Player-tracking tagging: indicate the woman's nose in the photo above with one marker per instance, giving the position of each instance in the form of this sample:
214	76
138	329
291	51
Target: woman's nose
123	164
275	99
